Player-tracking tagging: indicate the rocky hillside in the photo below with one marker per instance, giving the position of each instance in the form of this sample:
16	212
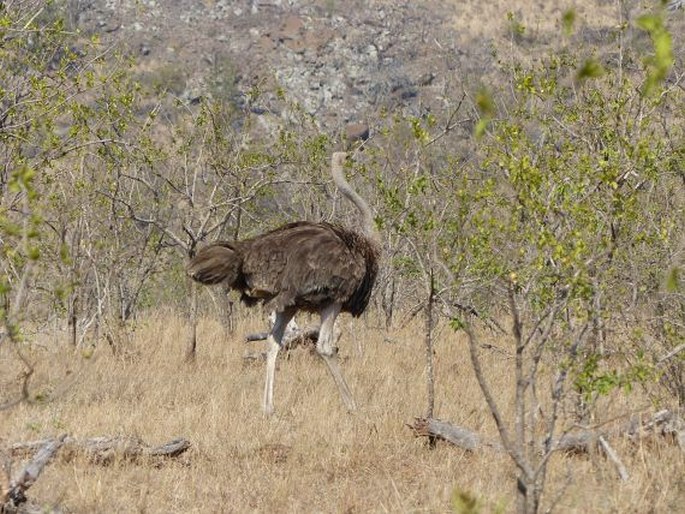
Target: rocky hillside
341	60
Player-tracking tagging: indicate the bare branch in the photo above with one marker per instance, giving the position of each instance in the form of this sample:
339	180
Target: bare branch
671	354
513	450
613	457
33	469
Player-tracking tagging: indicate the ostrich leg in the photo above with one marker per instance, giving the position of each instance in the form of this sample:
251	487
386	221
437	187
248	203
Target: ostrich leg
274	341
329	353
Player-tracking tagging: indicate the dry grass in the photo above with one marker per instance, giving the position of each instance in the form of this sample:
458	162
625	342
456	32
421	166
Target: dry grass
311	456
489	19
484	30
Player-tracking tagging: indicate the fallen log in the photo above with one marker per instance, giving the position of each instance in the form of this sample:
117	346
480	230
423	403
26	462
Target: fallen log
458	436
291	339
98	450
294	337
589	442
666	424
103	450
580	441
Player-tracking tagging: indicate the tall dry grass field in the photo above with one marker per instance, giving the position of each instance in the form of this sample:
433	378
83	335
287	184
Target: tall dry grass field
311	456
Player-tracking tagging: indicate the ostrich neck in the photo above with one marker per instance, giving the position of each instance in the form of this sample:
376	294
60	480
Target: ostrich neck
337	164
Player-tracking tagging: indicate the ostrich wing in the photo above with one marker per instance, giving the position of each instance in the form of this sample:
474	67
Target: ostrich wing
304	265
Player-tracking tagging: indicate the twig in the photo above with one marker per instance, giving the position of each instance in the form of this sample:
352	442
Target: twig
613	457
672	353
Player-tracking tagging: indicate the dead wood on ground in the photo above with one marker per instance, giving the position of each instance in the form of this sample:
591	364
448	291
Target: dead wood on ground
102	450
458	436
97	450
665	425
296	338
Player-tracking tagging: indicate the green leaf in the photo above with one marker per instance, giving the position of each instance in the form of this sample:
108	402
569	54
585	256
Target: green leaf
568	19
659	64
673	280
485	102
481	127
590	69
34	253
649	22
457	324
64	254
464	502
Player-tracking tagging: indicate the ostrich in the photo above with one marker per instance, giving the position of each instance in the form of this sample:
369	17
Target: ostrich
314	267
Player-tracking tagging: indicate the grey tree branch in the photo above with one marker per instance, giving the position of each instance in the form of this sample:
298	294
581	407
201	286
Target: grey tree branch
28	476
509	446
99	450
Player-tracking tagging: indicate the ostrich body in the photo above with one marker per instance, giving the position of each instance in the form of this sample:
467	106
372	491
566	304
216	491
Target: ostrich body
314	267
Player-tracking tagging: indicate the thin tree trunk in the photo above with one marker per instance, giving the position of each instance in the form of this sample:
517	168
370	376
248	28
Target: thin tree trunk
73	320
526	483
192	341
228	311
430	371
388	301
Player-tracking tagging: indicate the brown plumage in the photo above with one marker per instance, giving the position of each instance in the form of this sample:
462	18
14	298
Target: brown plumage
314	267
301	264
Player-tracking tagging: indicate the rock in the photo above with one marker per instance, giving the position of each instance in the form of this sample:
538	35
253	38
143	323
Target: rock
336	61
292	28
426	79
356	132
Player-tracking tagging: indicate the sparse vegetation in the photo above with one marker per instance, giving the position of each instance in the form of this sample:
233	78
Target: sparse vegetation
537	220
168	78
313	455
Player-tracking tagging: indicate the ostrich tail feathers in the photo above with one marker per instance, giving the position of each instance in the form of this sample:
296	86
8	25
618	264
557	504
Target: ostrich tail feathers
216	263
